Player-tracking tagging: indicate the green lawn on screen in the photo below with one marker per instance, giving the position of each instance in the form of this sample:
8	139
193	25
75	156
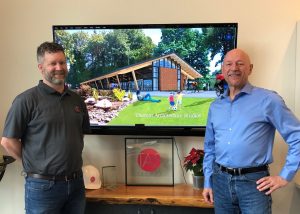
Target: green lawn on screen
192	113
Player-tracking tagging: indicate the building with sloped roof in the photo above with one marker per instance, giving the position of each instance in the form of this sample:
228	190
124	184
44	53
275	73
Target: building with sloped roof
165	73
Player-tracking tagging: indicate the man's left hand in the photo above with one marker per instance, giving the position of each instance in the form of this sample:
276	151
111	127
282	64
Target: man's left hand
271	183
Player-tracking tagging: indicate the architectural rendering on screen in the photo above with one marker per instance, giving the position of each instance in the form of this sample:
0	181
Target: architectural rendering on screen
155	75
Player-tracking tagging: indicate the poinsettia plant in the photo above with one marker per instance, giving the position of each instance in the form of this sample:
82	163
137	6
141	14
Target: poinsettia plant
194	162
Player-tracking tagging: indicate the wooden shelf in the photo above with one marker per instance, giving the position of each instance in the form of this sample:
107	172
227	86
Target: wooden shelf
179	195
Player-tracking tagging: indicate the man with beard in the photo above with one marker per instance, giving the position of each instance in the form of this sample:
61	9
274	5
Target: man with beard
44	129
239	141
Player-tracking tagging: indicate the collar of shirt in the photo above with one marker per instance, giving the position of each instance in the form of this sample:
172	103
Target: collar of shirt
50	90
247	89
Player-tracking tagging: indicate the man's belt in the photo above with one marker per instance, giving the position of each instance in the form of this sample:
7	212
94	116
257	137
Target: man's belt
241	171
72	176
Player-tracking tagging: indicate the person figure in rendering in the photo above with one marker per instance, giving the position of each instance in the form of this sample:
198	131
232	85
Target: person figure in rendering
195	86
179	96
239	141
44	129
172	101
146	97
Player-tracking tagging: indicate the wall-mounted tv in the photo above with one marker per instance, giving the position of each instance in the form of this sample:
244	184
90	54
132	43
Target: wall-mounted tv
146	79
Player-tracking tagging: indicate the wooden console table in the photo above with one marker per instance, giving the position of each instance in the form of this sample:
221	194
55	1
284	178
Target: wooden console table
180	195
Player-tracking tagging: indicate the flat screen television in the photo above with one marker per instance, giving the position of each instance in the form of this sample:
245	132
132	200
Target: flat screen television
146	79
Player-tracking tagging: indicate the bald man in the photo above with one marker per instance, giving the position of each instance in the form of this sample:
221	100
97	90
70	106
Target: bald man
239	141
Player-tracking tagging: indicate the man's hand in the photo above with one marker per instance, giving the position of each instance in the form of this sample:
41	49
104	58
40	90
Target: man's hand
208	195
271	182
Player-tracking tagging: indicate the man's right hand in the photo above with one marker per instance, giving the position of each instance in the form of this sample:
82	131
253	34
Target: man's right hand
208	195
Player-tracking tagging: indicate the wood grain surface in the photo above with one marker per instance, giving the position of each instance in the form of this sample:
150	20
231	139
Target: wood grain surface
179	195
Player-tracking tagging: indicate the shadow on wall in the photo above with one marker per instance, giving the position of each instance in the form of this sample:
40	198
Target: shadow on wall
295	205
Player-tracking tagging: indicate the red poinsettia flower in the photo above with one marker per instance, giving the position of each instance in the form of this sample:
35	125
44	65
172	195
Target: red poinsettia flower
194	161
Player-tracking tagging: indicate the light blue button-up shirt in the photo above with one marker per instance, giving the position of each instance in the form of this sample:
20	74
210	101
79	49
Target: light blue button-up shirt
240	132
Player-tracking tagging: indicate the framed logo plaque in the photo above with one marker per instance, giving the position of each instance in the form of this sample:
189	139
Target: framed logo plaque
149	161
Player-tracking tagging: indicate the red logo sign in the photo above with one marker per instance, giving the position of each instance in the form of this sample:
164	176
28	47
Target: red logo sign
149	160
92	179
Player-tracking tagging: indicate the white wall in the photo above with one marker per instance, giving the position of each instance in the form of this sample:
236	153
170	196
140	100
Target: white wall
267	30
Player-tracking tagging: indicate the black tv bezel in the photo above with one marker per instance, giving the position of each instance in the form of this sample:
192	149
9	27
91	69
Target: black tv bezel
136	26
141	129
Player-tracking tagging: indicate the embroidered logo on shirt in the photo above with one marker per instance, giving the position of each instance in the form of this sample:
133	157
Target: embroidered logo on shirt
77	109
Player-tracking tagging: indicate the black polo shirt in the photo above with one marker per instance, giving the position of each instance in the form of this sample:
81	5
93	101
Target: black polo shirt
51	127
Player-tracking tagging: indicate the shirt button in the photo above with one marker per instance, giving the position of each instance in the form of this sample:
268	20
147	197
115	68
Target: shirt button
228	143
230	129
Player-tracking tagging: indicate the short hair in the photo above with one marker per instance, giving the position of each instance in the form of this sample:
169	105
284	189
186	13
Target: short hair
48	47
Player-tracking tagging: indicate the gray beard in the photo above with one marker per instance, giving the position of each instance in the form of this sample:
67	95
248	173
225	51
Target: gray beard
54	81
